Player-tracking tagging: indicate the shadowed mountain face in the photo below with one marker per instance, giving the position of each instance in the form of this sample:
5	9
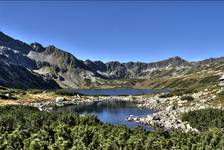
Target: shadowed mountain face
7	41
35	66
16	76
15	57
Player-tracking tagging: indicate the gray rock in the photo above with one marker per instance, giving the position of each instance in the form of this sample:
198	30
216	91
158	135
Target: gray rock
59	99
170	108
8	96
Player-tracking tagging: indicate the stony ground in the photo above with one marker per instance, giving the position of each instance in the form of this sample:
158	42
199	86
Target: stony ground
170	109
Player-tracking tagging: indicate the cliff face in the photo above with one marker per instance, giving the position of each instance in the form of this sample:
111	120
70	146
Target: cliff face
51	67
16	68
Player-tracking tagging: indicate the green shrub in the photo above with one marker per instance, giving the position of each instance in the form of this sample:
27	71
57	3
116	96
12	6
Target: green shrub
210	79
166	95
188	98
221	93
23	127
205	118
36	91
180	92
67	92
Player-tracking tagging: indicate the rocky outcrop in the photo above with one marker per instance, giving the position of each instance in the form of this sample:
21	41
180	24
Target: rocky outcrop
95	66
63	67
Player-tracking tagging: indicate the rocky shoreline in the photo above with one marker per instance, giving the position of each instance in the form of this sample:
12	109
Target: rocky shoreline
171	109
61	101
167	117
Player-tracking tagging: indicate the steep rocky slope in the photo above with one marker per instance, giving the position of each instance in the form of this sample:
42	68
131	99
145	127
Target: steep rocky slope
16	68
61	66
16	76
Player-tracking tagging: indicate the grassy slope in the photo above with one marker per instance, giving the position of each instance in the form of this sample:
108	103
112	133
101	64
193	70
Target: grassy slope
192	81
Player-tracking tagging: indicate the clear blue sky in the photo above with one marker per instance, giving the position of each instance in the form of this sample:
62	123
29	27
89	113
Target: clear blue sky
123	31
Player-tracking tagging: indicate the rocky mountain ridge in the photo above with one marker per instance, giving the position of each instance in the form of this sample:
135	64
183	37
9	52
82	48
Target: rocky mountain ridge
65	70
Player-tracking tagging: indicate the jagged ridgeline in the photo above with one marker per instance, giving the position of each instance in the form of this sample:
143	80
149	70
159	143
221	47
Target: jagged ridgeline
34	66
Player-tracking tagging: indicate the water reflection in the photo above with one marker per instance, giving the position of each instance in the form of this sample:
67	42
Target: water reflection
114	112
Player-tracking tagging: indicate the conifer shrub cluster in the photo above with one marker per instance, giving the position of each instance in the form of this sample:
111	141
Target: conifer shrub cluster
23	127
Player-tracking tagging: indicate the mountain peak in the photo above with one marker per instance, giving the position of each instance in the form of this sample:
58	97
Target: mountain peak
37	47
176	60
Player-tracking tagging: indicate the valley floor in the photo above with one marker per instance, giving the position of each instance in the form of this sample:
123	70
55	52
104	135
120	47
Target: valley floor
185	108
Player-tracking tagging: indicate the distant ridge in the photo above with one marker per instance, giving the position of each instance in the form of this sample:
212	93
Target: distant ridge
50	67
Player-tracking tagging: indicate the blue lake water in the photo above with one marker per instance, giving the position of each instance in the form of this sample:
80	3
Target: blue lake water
114	112
117	92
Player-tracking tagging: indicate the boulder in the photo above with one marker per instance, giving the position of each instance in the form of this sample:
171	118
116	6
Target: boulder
170	108
221	81
59	99
8	96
